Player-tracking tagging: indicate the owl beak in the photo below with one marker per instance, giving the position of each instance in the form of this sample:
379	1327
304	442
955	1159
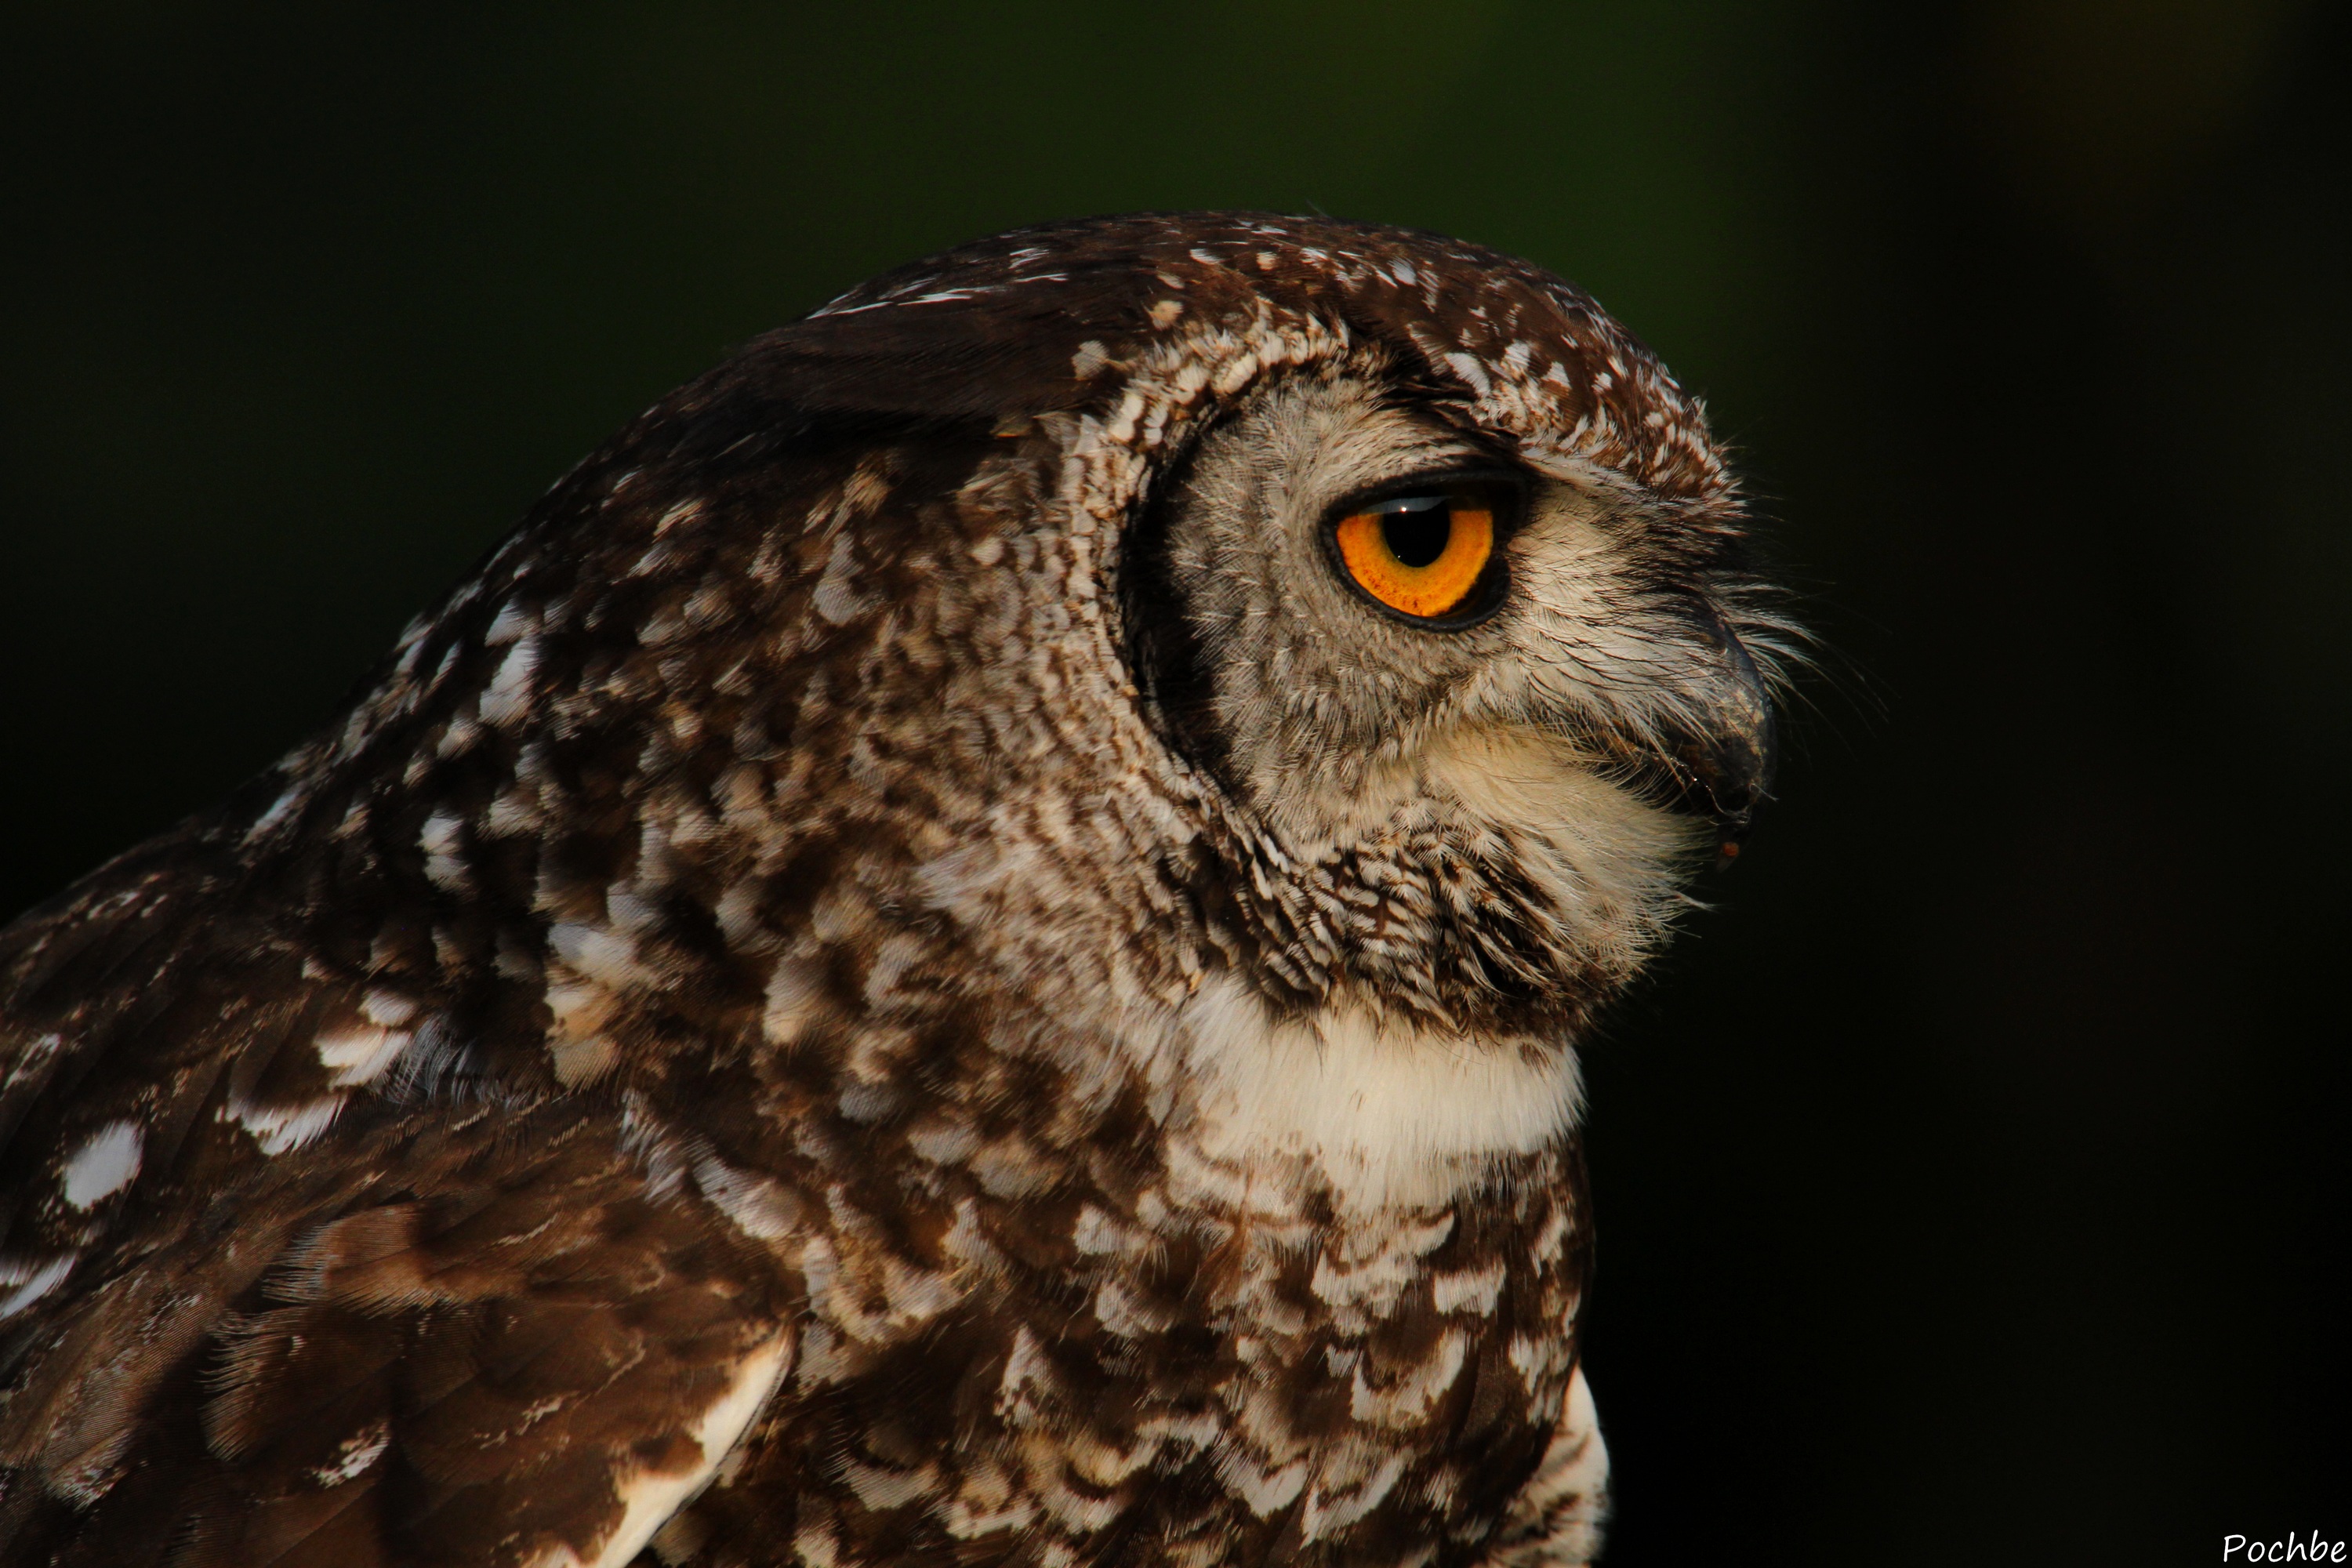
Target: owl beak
1733	765
1716	755
1728	762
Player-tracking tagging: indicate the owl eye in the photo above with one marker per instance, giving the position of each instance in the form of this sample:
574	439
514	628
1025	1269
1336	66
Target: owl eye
1425	556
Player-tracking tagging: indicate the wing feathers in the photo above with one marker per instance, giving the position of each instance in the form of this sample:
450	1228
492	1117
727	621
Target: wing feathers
516	1356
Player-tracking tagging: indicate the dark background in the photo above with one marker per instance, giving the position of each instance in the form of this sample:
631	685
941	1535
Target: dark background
1974	1184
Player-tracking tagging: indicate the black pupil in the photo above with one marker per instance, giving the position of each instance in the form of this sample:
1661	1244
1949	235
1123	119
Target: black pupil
1417	528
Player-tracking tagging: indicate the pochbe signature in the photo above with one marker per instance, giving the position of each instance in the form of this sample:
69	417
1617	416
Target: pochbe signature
2292	1549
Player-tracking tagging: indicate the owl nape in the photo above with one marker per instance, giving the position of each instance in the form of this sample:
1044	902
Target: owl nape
969	948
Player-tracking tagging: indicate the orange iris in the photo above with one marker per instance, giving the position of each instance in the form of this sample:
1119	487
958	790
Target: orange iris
1419	554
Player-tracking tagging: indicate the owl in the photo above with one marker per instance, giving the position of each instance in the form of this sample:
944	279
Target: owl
969	948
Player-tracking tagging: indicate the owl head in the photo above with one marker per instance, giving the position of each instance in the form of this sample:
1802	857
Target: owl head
1355	616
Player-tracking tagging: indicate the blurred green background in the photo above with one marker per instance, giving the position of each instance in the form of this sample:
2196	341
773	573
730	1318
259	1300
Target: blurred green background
1974	1187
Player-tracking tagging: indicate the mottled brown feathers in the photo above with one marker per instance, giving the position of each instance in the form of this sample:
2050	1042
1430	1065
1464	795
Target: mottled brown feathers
900	976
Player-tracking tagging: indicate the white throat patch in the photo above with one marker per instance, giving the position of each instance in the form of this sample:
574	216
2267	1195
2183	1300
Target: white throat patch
1393	1115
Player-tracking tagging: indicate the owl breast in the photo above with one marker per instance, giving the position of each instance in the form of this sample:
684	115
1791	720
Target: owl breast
1320	1306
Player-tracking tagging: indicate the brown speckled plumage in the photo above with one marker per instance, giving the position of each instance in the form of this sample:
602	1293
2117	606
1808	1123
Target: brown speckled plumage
903	977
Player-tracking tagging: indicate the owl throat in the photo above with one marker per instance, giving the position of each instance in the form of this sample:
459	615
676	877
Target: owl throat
1403	1017
1492	890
